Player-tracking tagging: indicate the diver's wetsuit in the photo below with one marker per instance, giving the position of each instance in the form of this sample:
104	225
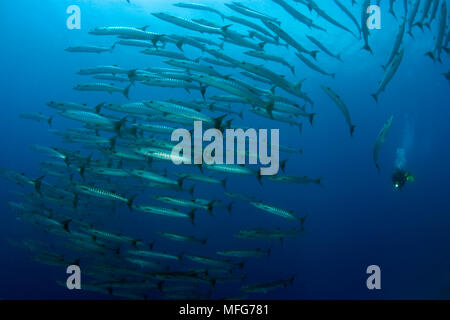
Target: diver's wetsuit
399	178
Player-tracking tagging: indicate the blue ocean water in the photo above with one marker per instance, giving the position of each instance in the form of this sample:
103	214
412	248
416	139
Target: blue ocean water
357	219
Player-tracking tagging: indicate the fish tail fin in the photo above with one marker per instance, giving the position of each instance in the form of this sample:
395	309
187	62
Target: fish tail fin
192	216
368	48
130	202
65	225
132	75
378	167
203	91
224	183
292	69
375	96
203	241
431	55
410	33
339	57
419	24
191	190
180	182
314	54
269	251
333	75
38	183
352	129
49	121
112	47
112	142
225	28
241	114
311	117
126	91
180	45
259	177
283	164
261	45
230	207
210	207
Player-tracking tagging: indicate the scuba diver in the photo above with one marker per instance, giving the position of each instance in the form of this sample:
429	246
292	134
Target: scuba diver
399	178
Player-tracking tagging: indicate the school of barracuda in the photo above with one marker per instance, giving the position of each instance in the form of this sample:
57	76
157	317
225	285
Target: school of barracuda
121	151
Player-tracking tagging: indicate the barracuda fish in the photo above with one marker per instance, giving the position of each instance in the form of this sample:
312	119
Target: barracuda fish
313	6
244	253
435	54
240	40
268	286
249	24
166	212
364	28
293	109
214	262
155	177
324	49
297	180
103	70
264	39
270	57
341	105
182	238
180	41
276	211
391	8
173	83
64	105
179	110
145	263
90	49
230	86
187	202
136	43
105	194
297	15
268	234
127	33
164	53
111	236
113	172
314	66
37	116
246	11
138	108
187	24
278	116
425	9
202	178
110	88
193	66
235	169
350	15
389	74
92	118
109	77
156	128
154	254
382	135
433	14
397	44
412	16
196	6
255	77
207	23
286	37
